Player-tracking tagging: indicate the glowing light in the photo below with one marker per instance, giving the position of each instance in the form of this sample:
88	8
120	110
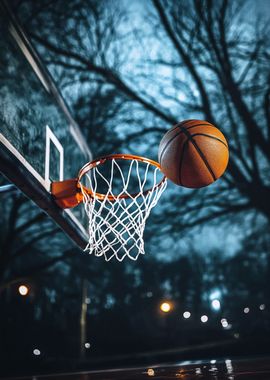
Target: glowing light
246	310
87	300
150	372
87	345
23	290
186	314
204	318
36	352
229	366
213	361
215	304
262	306
224	323
165	307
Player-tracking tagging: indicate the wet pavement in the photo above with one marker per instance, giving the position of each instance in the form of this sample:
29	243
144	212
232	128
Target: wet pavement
246	369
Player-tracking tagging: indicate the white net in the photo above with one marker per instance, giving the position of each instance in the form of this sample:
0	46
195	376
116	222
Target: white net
117	219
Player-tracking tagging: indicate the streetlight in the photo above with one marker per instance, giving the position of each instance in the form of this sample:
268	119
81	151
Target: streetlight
186	314
204	318
23	290
150	372
166	307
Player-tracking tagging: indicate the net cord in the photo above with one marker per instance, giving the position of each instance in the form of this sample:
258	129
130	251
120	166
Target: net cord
116	226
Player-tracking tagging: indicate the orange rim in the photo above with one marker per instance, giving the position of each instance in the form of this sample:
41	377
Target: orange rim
100	161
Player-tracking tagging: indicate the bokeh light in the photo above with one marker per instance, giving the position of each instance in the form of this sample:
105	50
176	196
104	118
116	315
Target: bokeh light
150	372
23	290
186	314
204	318
224	322
215	304
165	307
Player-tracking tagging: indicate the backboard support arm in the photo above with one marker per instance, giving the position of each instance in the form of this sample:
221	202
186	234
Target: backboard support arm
12	169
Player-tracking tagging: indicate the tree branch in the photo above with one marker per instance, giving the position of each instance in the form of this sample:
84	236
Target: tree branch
109	75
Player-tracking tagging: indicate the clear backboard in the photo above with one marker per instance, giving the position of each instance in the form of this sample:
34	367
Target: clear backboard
39	140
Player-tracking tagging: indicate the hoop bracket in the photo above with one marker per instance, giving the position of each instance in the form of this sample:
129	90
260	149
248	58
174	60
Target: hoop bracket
67	194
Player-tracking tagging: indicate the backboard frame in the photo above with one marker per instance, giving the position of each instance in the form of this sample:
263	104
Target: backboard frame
17	169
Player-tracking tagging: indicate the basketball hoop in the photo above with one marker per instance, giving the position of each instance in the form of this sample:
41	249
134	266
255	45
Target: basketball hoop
118	192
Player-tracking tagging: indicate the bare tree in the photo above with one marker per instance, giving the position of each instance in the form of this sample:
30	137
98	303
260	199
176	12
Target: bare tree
226	60
216	65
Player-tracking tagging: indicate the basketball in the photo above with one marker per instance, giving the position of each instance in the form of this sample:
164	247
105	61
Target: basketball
193	153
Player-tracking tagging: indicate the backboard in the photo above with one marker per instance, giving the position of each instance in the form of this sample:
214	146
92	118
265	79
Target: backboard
39	140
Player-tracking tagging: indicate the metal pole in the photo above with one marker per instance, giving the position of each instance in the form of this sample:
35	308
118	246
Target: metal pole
83	319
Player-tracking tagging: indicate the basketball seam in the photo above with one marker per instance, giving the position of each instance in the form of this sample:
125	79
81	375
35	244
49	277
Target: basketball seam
176	126
181	162
172	138
181	123
166	146
211	137
204	159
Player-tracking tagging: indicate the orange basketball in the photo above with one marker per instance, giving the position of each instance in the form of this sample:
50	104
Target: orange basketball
193	153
